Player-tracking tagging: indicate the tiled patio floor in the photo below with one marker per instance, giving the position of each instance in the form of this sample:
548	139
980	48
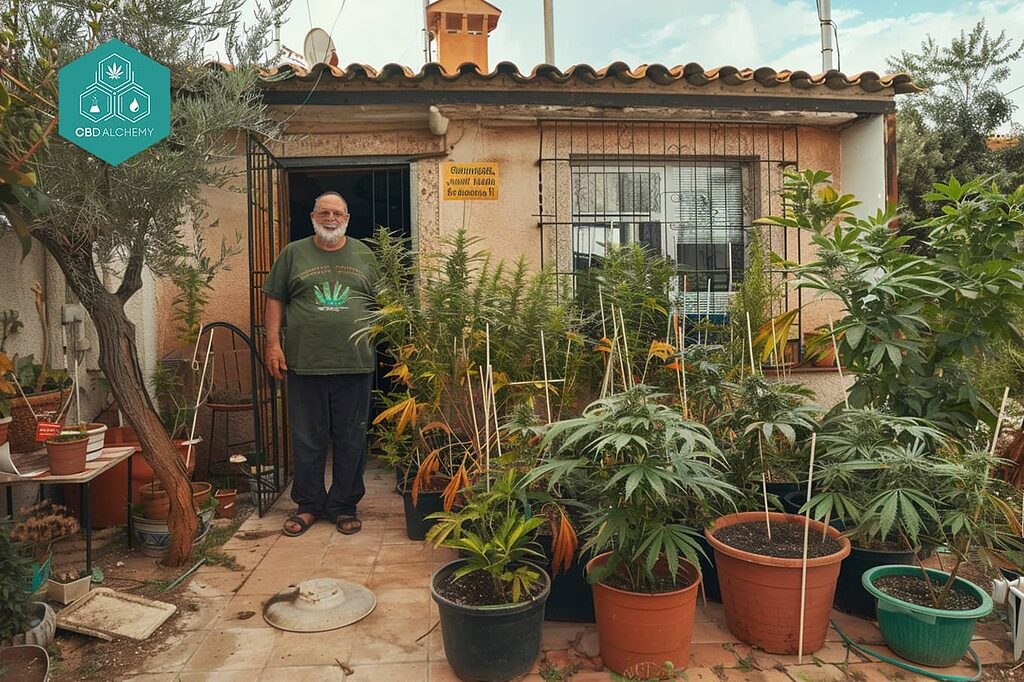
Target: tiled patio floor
226	638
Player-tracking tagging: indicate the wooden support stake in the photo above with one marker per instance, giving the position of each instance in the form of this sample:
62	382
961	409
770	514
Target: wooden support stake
544	361
600	302
750	345
839	365
803	565
999	422
625	349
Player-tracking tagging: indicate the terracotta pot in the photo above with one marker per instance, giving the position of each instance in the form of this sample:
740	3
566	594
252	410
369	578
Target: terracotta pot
226	508
761	594
23	423
156	504
67	457
5	427
201	493
639	632
97	435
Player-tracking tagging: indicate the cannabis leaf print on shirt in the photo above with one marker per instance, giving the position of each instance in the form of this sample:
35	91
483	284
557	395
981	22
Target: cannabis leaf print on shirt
330	296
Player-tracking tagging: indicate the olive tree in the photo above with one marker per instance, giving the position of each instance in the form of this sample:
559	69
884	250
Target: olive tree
148	211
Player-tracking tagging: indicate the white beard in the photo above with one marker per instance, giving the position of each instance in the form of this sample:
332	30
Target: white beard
329	236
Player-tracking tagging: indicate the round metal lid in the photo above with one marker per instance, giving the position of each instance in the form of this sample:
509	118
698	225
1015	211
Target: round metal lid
318	605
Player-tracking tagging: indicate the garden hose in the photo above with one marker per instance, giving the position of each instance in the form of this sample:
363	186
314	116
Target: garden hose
910	666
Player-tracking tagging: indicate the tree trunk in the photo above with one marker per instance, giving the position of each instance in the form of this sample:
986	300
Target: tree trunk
119	360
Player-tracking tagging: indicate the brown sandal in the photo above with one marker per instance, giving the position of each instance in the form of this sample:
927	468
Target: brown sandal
349	525
300	522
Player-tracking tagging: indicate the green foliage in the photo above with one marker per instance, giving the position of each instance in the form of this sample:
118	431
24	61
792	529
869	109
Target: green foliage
766	425
912	318
193	275
755	296
494	533
173	405
637	466
28	373
15	574
942	132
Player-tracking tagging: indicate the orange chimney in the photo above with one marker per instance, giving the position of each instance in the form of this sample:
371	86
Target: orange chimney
461	28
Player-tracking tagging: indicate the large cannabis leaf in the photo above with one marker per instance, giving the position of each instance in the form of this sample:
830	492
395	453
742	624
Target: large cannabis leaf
114	72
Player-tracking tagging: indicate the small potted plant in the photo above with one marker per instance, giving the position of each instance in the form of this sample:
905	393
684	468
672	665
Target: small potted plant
96	434
927	616
641	460
67	585
42	524
67	452
491	601
226	497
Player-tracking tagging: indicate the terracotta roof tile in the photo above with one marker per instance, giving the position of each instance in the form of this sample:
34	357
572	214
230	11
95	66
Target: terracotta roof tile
659	74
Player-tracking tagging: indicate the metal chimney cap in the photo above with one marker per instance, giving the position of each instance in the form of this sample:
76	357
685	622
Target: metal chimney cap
319	605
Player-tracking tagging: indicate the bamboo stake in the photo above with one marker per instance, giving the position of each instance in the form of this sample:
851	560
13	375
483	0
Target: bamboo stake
199	397
839	365
494	411
707	316
600	302
999	422
764	488
681	372
487	430
472	408
625	348
750	345
544	361
775	345
803	565
617	348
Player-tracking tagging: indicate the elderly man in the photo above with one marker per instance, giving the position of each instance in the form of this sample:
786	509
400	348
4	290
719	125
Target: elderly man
322	286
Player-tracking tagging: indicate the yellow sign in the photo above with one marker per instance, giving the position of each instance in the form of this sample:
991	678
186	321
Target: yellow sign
470	181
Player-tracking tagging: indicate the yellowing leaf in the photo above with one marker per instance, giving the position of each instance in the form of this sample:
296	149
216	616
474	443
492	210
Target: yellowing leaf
661	350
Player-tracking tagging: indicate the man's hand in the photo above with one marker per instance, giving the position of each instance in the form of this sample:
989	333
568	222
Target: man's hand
276	363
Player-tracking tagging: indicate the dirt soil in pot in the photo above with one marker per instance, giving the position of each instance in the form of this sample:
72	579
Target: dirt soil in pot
913	589
787	541
477	589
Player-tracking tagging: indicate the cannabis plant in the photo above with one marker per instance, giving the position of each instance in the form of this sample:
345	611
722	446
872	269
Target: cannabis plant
915	309
15	575
443	317
495	535
636	462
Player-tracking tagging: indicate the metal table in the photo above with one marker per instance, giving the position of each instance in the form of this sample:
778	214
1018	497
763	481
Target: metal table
109	458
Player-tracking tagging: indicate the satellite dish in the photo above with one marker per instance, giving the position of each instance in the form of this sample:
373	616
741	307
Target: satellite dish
319	48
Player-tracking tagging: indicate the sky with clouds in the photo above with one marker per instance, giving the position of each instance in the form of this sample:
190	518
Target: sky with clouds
776	33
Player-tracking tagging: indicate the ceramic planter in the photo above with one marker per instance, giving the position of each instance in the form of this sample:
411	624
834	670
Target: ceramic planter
935	637
761	594
23	421
640	632
42	626
25	662
97	434
67	457
5	428
154	537
226	508
487	643
201	493
65	593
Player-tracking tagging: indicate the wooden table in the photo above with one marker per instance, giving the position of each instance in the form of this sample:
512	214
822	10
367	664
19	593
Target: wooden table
109	458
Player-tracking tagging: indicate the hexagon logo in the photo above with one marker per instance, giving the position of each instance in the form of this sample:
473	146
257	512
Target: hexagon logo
133	103
96	104
114	102
114	71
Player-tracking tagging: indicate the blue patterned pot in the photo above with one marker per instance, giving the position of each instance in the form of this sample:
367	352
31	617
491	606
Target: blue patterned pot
154	537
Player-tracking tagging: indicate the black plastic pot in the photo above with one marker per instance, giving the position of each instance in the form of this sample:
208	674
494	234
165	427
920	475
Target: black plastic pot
783	488
709	572
490	642
572	599
851	596
416	522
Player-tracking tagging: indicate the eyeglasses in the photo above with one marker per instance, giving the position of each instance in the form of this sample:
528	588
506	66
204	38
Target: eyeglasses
328	214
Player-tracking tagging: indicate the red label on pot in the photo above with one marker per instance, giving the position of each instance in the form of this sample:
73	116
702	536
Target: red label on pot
47	430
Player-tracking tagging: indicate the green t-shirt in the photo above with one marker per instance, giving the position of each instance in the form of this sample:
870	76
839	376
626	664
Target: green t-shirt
326	295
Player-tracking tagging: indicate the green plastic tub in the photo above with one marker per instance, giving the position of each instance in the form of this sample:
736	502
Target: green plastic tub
924	635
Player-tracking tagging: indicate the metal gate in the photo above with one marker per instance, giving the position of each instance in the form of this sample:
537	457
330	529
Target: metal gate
268	235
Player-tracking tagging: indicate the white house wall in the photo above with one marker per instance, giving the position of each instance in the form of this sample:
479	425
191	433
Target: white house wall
863	164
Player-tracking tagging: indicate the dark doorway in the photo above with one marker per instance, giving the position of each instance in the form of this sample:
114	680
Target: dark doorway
378	195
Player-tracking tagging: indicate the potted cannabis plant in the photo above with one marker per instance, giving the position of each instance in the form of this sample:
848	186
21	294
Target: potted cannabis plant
636	460
869	463
926	615
491	601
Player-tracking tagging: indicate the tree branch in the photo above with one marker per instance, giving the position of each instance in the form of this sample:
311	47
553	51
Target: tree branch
132	280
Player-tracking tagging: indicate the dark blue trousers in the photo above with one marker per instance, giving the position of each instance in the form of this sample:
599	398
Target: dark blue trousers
323	410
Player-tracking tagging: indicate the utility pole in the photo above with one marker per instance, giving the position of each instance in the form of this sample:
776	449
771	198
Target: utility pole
549	32
426	34
825	18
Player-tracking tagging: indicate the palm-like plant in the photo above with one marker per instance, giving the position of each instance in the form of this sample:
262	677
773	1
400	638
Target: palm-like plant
635	461
495	535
